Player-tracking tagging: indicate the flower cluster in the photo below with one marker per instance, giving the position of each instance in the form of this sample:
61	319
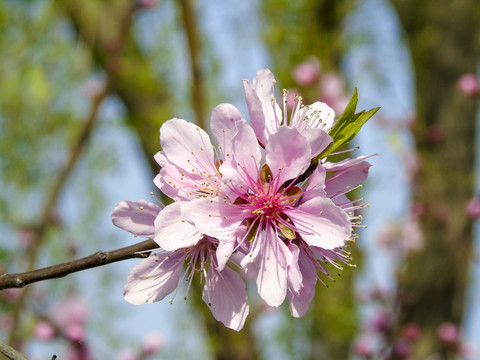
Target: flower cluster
255	203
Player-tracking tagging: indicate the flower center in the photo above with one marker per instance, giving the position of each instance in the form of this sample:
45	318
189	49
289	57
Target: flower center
267	202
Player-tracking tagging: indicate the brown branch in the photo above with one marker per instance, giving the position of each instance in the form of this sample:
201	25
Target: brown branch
191	31
10	353
100	258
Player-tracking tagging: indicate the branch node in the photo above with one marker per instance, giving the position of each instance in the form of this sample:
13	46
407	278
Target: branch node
19	283
103	256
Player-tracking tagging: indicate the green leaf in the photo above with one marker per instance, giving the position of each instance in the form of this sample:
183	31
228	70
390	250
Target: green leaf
348	125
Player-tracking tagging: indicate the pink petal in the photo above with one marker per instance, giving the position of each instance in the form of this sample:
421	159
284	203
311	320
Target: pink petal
225	249
240	168
225	293
271	264
255	112
288	154
188	147
265	114
294	275
172	231
175	182
321	223
136	217
223	127
346	163
213	217
148	282
318	140
316	184
346	179
300	302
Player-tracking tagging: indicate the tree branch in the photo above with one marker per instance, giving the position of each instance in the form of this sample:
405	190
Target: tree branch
194	46
100	258
9	352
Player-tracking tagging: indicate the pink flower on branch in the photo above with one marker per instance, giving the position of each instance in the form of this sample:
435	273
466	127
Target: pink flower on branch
312	121
246	204
160	274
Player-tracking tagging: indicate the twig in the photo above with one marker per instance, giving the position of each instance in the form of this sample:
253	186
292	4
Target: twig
10	353
100	258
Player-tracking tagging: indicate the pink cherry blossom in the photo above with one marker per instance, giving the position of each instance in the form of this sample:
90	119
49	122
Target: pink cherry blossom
261	206
251	205
312	121
160	274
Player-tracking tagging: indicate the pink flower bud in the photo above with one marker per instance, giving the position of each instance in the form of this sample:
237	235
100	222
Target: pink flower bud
308	72
381	322
473	208
363	347
448	332
75	332
43	330
152	344
402	348
468	84
412	331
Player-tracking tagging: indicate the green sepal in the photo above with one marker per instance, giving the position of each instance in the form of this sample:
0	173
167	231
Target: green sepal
347	126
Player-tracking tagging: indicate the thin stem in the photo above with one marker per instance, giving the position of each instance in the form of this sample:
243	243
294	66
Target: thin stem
100	258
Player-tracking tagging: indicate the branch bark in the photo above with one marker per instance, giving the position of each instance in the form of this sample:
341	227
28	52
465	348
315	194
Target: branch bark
10	353
100	258
191	31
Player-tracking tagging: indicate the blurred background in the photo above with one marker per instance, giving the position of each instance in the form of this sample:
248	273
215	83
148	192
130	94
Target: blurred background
84	89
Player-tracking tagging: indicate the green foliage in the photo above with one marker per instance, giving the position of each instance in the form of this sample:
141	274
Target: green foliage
348	125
